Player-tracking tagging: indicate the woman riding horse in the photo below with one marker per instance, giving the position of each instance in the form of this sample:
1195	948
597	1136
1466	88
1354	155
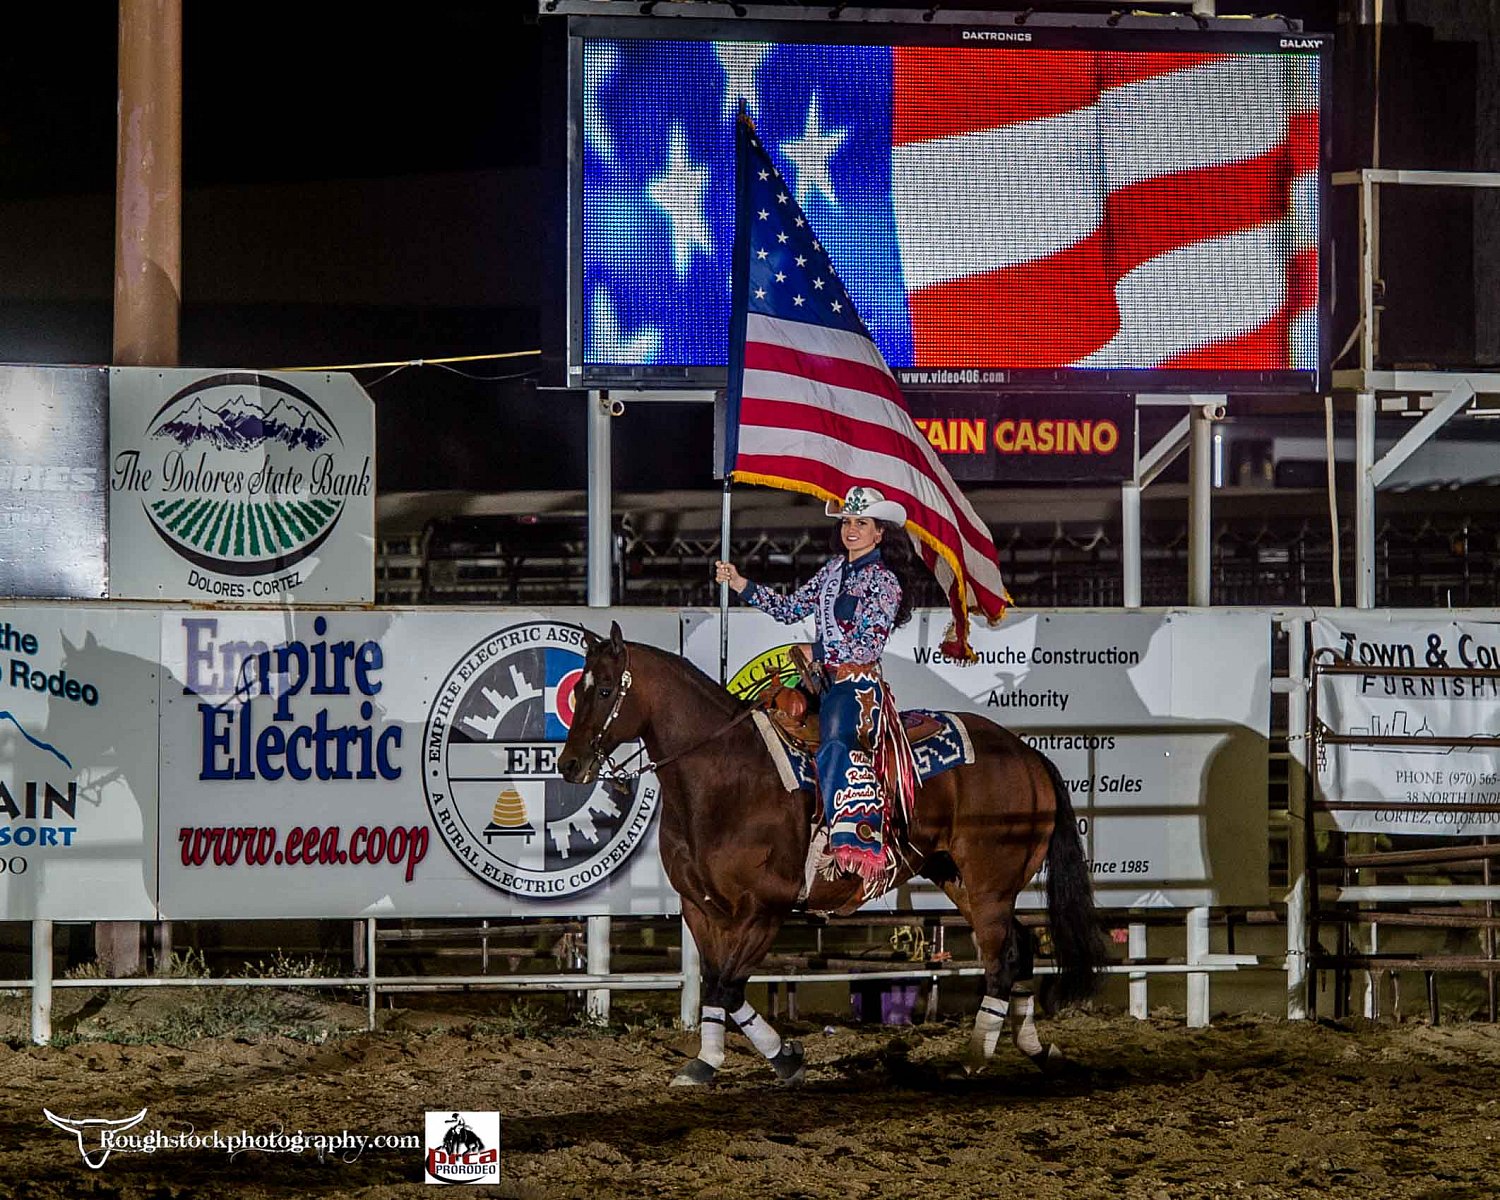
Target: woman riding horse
857	598
734	843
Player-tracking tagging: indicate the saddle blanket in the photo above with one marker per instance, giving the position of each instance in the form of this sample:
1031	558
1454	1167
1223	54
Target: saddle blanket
948	746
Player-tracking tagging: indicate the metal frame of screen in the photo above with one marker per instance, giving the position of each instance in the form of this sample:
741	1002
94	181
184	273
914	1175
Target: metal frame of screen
591	19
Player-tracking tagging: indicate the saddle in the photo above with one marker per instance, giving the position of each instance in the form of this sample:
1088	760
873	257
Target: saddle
794	710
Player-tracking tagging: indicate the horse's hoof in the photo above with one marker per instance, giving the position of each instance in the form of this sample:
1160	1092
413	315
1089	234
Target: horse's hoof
1048	1059
790	1064
696	1074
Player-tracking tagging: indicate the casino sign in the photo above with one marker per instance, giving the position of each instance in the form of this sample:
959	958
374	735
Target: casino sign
489	769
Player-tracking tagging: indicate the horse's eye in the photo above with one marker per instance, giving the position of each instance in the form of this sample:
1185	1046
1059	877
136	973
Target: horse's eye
605	691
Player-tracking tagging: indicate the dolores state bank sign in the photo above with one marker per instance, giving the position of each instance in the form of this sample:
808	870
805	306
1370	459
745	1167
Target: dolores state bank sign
240	487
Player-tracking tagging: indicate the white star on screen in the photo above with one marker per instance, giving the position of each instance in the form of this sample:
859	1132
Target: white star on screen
811	153
741	60
836	306
764	175
763	214
678	192
801	260
797	300
760	293
781	238
780	276
818	283
761	254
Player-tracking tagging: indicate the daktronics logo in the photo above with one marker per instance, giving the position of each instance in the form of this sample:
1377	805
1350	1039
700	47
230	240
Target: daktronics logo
994	35
462	1147
242	475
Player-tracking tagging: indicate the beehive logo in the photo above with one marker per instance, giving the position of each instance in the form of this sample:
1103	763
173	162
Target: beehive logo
250	473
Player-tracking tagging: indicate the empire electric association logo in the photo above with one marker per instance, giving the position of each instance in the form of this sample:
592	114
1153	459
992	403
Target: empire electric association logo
242	474
489	769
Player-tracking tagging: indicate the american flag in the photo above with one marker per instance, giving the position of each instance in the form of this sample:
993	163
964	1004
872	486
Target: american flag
1004	207
813	406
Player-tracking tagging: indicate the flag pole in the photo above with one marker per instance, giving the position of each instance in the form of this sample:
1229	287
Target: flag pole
735	378
724	587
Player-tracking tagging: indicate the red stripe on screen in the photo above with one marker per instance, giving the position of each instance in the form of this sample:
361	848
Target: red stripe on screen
1302	141
1118	68
1168	212
944	92
1043	313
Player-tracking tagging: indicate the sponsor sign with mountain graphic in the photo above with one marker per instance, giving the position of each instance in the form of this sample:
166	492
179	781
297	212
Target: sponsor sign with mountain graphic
241	487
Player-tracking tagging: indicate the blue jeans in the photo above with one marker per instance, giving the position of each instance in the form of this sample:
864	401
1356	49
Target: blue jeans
846	725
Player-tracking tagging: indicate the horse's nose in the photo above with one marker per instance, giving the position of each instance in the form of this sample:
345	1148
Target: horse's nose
568	768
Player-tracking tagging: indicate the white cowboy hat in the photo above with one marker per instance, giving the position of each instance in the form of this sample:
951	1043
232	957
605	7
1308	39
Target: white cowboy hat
864	501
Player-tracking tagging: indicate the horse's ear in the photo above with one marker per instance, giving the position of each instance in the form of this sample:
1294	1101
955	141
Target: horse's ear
616	638
590	639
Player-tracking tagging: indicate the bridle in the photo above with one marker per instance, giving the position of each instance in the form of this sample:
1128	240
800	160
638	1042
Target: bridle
617	775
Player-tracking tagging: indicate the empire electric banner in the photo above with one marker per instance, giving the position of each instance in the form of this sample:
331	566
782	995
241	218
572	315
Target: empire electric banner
78	694
241	487
1437	790
1165	759
392	764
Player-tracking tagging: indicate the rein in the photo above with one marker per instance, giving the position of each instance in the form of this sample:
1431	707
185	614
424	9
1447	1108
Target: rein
621	773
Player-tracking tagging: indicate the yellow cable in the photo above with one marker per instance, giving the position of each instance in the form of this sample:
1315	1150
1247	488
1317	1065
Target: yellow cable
416	362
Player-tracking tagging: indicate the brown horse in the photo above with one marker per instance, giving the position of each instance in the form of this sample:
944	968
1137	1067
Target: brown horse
735	844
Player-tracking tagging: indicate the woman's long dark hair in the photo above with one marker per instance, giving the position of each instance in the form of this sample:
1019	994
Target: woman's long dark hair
895	552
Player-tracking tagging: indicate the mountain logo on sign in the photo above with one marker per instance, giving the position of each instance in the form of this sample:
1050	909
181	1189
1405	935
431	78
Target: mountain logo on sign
243	425
250	483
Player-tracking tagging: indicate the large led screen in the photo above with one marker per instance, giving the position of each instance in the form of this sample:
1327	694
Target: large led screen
1000	210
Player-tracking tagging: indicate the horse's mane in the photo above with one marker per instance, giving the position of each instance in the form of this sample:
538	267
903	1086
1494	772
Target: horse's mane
702	684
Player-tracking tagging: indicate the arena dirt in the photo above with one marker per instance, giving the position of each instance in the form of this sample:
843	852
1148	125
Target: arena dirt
1253	1108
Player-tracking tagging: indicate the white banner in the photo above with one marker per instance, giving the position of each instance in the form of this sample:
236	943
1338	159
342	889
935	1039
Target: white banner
1419	778
78	765
1159	721
396	763
53	503
241	487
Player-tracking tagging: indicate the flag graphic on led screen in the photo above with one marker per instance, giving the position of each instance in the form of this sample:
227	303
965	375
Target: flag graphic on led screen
1006	208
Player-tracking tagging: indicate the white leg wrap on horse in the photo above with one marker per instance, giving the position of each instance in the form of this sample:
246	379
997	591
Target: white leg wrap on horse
711	1037
1023	1026
988	1022
761	1035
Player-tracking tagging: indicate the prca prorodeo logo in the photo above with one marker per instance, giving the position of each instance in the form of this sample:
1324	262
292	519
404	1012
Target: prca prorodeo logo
490	769
462	1147
251	479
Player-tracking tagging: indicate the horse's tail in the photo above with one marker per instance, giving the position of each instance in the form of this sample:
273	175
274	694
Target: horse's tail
1077	937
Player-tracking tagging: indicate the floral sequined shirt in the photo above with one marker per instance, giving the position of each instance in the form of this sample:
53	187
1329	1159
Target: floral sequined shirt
865	598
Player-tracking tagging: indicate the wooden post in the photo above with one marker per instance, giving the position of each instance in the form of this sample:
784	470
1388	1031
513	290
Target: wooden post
148	254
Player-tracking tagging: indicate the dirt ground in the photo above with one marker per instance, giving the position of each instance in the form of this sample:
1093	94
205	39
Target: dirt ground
1252	1107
